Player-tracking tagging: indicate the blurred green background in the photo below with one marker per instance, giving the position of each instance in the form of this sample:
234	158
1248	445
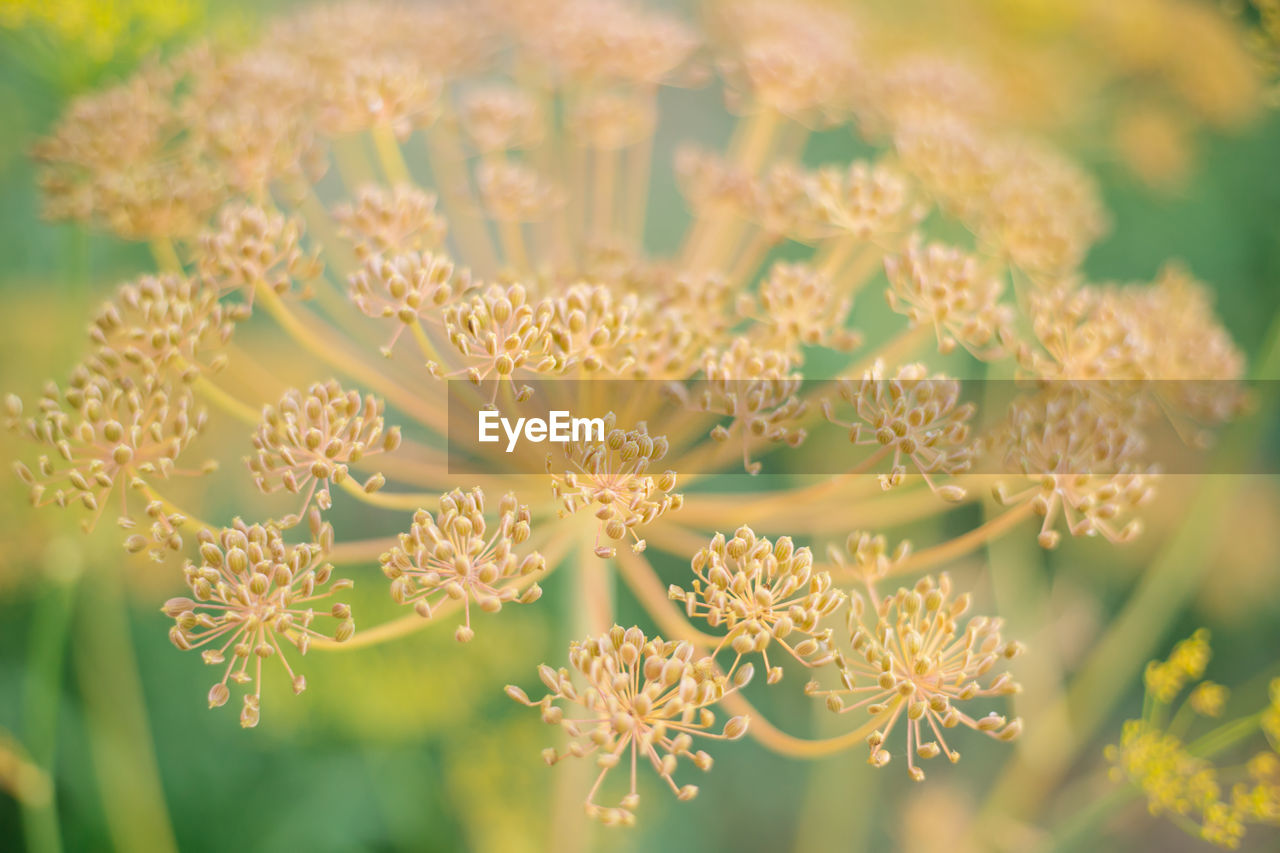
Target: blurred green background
413	746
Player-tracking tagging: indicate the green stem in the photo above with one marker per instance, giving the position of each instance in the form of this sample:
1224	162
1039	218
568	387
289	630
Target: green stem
46	656
115	720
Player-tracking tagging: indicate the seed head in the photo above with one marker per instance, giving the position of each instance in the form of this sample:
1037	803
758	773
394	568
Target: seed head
915	416
308	441
391	221
501	118
255	247
912	661
799	306
1042	210
1082	457
644	697
867	556
253	594
800	59
942	287
109	435
397	92
760	593
865	201
593	329
609	121
614	480
162	325
756	388
514	192
407	288
454	555
501	333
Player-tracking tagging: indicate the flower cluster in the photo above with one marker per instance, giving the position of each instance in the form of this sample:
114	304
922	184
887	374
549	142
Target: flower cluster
454	556
308	441
760	593
1180	779
636	698
254	594
913	416
915	660
612	478
284	178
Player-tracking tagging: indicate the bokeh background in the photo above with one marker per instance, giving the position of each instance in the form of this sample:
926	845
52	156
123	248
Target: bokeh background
413	745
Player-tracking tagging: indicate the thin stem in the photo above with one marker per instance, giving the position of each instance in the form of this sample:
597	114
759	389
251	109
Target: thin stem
782	743
46	659
225	401
412	501
961	545
120	746
166	256
390	158
332	352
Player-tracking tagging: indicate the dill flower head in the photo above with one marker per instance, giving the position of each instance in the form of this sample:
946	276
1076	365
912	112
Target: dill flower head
308	441
614	480
1186	663
866	556
407	288
947	289
116	159
105	437
1082	333
593	329
381	221
1082	457
167	324
281	176
500	118
756	388
255	247
636	699
914	416
1180	778
500	332
799	306
760	593
1042	211
253	594
454	555
913	659
864	201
